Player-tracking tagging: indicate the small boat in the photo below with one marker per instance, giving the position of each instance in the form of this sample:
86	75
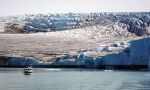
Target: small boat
28	70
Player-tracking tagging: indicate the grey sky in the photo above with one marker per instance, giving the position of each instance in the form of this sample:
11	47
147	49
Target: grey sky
14	7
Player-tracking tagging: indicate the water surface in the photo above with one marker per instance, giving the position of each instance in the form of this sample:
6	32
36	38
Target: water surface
73	79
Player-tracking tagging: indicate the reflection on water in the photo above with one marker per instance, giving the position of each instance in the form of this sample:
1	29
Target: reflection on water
53	69
73	79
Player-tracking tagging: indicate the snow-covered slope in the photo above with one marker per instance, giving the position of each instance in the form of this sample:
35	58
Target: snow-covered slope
116	23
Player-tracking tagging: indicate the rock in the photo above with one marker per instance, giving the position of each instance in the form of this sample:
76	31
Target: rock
136	26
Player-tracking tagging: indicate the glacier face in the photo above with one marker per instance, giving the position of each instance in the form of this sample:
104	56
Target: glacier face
137	53
122	54
140	50
111	54
21	61
89	62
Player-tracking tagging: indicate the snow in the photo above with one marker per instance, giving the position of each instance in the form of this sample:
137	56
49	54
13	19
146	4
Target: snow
109	24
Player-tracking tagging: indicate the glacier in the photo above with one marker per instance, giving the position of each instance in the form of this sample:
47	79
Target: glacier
133	53
137	23
137	53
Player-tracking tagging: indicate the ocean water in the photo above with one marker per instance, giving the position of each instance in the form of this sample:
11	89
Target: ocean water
73	79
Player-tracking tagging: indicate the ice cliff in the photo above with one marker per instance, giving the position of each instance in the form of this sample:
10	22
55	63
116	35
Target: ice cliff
21	61
132	53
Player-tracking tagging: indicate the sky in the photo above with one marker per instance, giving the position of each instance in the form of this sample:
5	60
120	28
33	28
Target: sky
19	7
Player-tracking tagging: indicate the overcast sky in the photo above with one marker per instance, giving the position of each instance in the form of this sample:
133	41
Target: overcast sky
15	7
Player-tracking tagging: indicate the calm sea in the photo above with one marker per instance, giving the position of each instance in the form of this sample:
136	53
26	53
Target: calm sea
73	79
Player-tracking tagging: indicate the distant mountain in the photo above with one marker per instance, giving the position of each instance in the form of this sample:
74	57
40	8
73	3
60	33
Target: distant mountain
116	24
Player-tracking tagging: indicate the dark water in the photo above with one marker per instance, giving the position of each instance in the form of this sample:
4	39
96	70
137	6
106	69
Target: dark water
74	79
